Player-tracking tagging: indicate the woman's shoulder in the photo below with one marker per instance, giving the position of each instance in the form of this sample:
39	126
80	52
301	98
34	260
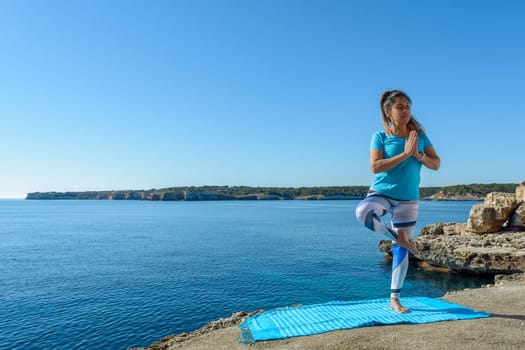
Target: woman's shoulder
378	140
380	135
424	136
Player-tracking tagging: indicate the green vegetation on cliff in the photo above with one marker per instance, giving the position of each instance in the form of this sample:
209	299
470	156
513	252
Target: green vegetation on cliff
472	191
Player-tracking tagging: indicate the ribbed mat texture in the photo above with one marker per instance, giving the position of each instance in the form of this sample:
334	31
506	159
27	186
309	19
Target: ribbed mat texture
320	318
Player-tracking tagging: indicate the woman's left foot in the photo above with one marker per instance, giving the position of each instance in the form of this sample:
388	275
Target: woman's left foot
397	307
403	241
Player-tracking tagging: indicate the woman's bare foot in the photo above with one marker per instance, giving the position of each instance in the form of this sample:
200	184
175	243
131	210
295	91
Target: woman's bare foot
397	307
403	241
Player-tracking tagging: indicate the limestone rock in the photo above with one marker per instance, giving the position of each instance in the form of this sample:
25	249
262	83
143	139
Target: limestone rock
385	246
269	197
439	228
118	195
520	192
518	218
173	196
248	197
488	254
482	219
515	279
503	204
492	214
206	196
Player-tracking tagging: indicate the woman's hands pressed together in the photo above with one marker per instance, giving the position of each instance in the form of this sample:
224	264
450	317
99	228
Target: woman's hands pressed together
411	145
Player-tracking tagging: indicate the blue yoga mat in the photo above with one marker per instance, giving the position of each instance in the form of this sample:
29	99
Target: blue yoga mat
321	318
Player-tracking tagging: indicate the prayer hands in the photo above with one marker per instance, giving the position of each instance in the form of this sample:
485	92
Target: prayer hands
411	144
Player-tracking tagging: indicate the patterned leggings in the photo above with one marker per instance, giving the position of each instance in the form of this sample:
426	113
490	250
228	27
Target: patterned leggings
404	215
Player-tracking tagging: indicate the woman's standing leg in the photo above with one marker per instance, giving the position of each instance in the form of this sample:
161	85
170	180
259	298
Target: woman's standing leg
404	215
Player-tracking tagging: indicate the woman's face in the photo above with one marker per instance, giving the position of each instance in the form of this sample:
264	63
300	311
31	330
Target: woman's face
400	112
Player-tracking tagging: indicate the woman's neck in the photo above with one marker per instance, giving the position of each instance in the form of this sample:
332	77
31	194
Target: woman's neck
401	132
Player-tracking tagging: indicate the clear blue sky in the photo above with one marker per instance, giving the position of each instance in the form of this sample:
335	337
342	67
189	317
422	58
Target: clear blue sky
101	95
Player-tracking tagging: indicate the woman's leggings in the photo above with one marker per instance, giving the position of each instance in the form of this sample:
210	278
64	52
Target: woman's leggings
404	214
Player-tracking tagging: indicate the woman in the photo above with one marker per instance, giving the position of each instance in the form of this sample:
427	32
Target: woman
396	157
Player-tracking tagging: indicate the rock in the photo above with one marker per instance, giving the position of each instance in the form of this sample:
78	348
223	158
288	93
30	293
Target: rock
503	204
439	228
520	192
248	197
487	254
314	197
482	219
207	196
269	197
446	196
173	196
118	195
175	340
517	219
492	214
153	196
135	195
515	279
385	246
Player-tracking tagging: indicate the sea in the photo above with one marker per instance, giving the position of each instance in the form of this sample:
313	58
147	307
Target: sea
88	274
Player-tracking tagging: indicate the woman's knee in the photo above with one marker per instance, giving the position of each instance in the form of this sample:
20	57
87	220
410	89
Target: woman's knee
364	210
367	206
361	211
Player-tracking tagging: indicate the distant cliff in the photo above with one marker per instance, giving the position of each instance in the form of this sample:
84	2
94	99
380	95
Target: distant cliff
465	192
206	193
200	193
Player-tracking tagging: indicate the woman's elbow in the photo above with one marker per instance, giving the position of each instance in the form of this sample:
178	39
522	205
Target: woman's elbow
436	164
375	169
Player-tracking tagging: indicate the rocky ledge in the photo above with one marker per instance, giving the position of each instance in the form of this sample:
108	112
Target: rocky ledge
491	242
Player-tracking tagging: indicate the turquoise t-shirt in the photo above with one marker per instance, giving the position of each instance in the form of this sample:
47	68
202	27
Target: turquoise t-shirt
402	181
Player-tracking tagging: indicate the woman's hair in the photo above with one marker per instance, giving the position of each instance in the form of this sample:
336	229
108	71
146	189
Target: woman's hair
387	101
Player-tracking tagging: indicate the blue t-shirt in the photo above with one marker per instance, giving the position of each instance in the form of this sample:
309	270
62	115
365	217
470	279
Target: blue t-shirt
402	181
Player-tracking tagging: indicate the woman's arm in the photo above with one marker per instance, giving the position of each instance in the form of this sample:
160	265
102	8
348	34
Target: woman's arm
429	158
379	164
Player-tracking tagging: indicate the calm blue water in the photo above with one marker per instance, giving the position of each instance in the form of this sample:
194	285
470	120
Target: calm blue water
117	274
